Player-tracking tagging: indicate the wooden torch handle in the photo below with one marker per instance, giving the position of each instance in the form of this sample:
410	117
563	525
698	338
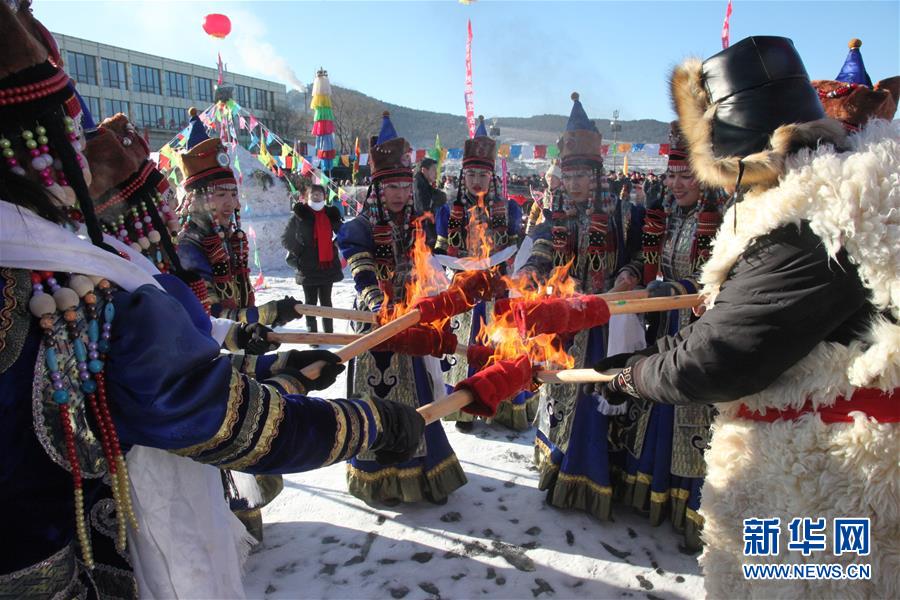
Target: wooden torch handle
367	342
575	376
336	313
622	307
450	403
333	339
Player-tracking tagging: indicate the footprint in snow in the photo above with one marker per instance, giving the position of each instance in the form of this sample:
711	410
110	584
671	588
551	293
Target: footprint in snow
645	583
451	517
542	587
430	588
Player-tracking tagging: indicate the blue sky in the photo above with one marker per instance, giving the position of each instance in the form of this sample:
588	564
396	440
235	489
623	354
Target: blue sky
527	56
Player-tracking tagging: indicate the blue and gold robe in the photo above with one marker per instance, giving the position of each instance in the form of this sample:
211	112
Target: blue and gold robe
571	448
453	238
434	472
168	388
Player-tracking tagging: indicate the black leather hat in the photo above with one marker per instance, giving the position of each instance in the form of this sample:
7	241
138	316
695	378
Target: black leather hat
759	84
746	108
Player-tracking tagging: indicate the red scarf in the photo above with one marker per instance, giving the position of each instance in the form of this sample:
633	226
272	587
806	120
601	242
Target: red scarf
322	235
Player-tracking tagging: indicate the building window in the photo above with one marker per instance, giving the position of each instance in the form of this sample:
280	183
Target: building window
203	89
113	73
243	95
145	79
113	107
176	118
93	105
260	99
177	84
82	67
148	115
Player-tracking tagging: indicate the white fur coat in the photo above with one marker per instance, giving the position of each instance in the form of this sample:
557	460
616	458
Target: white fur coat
806	468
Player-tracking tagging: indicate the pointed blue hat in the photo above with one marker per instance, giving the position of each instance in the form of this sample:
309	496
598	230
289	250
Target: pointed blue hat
854	70
198	130
481	131
578	119
387	129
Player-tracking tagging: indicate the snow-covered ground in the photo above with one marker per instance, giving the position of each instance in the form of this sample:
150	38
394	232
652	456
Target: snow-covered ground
495	537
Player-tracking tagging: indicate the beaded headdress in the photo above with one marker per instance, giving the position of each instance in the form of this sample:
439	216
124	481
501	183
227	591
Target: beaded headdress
41	140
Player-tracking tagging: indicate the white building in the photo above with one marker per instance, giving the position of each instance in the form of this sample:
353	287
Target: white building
156	92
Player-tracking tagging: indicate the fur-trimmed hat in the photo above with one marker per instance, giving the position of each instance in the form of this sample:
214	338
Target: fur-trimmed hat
389	155
207	164
480	152
581	143
851	97
746	109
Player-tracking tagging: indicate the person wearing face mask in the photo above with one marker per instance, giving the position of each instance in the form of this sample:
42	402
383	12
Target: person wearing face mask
478	202
664	468
378	246
311	251
211	242
598	237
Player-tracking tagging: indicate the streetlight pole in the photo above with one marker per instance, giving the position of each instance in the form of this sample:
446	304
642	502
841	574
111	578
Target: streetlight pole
615	128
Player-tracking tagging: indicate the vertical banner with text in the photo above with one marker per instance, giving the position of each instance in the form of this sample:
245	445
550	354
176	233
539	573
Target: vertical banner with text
470	92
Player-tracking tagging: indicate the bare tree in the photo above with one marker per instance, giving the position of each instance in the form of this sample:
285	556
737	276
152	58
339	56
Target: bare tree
353	118
293	124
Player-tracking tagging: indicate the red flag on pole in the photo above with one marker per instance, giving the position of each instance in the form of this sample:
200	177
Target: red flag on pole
726	27
470	92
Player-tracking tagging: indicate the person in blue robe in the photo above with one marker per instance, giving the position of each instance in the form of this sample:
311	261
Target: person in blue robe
479	217
377	246
92	364
664	465
212	243
598	239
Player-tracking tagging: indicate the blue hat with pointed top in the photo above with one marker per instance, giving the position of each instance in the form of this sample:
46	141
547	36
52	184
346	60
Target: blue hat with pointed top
581	142
389	154
854	70
480	152
387	132
198	130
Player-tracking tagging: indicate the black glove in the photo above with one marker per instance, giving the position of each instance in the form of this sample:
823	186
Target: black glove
252	339
621	389
402	429
297	360
285	311
660	289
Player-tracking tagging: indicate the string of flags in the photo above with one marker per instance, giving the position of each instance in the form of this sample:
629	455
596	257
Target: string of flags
229	118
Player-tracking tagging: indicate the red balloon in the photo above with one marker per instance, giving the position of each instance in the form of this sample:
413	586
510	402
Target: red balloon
217	25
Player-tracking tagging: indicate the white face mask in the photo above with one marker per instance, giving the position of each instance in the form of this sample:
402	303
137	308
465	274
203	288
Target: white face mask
317	205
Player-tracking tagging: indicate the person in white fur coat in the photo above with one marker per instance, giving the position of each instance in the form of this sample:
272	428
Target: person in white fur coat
800	348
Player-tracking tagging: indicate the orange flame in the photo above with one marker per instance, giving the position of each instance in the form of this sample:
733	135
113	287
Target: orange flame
424	278
545	350
479	238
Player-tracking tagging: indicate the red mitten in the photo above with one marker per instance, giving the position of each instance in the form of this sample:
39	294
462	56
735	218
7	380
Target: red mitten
496	383
560	315
420	340
443	306
478	355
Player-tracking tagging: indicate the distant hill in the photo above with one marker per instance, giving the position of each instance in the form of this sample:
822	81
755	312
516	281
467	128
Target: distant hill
420	126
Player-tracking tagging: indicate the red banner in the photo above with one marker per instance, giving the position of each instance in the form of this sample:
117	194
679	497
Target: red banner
540	151
726	27
470	91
